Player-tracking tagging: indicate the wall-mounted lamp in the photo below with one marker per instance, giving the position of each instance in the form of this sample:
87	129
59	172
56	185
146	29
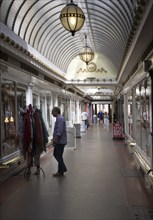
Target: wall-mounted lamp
11	119
6	120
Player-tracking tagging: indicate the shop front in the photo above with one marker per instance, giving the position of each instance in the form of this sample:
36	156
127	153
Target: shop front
13	95
138	121
17	92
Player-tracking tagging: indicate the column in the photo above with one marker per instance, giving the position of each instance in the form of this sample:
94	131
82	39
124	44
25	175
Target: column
113	110
90	112
95	109
70	112
134	112
151	127
45	110
16	107
92	107
120	110
55	103
78	113
55	99
0	115
38	100
29	98
126	126
109	113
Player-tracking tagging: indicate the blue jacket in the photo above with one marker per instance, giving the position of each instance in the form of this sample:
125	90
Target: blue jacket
60	132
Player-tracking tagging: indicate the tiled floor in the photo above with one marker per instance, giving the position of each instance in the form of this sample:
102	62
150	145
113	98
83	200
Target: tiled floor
102	183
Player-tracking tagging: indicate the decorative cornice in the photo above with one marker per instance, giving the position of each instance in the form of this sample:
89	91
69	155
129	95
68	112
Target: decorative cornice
85	70
24	51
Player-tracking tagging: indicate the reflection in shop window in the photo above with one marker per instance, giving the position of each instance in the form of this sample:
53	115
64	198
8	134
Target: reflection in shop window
49	119
36	101
9	114
138	135
21	96
130	120
143	112
42	106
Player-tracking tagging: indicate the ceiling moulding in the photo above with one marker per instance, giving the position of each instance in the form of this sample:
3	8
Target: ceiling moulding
138	15
30	67
93	82
142	23
16	42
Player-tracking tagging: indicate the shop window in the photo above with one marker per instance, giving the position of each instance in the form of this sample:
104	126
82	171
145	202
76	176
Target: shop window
49	118
59	101
130	119
12	98
42	101
67	109
138	107
145	117
143	112
36	100
21	96
43	104
8	116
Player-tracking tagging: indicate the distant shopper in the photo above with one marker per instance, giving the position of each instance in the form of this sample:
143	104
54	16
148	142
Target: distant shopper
100	116
106	119
84	117
144	119
59	141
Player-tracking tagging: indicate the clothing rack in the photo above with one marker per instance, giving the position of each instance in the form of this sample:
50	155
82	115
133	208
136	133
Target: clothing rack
33	137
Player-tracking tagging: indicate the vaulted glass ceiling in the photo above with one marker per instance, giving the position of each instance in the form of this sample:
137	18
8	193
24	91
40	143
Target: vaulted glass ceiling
110	26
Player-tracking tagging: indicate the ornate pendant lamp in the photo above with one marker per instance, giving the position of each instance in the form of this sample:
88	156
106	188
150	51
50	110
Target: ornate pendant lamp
86	54
72	17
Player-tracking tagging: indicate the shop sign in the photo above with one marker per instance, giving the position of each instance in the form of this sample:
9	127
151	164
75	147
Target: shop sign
117	131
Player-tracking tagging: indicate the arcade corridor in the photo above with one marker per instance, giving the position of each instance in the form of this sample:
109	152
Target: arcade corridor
102	183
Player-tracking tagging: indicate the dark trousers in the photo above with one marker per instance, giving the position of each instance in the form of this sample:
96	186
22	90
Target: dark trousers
58	154
86	122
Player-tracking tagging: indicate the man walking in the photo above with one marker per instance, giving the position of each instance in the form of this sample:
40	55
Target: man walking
59	141
84	116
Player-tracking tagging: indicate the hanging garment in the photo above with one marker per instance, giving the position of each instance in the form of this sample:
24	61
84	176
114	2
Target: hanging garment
37	133
27	137
45	132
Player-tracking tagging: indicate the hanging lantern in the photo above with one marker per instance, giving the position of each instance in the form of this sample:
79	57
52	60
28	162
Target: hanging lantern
86	54
72	17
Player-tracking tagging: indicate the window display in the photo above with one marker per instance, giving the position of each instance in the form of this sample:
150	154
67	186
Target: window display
143	108
64	104
36	99
8	116
138	135
42	100
10	101
130	119
49	118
